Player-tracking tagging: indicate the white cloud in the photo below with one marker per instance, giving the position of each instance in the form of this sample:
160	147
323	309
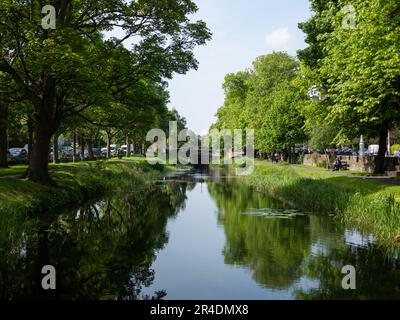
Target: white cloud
279	40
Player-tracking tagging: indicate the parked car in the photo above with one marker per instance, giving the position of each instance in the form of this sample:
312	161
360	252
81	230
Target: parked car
18	155
68	152
373	149
346	151
96	153
9	158
125	147
113	150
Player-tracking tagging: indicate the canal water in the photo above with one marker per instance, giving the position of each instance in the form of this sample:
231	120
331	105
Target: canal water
195	236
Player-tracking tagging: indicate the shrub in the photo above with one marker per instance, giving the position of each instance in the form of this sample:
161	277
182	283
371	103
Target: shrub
315	158
322	163
300	159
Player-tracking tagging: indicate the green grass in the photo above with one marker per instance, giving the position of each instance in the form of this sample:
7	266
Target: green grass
73	185
13	170
309	167
21	169
347	172
371	206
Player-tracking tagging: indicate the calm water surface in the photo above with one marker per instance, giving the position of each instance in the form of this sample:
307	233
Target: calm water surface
194	236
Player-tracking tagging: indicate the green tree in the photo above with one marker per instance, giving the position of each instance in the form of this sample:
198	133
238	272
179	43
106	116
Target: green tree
265	98
283	124
359	70
233	114
42	62
271	73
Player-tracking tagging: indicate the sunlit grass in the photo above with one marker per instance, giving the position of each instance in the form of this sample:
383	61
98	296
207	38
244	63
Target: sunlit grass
370	205
73	184
21	169
314	168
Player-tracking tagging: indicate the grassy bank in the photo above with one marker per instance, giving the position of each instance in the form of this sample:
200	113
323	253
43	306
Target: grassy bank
371	206
20	170
73	184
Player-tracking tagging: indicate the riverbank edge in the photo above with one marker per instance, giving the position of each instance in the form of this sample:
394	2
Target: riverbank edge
20	198
372	207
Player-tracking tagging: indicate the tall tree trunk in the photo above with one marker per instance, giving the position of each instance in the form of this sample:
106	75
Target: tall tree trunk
55	149
109	139
380	159
38	165
44	126
285	154
3	134
89	143
30	137
46	119
128	147
74	148
82	142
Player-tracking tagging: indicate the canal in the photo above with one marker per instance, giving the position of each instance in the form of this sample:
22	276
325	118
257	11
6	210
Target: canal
196	235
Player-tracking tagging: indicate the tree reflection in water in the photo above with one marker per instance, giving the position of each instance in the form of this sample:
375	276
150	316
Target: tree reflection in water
305	254
103	251
273	249
377	270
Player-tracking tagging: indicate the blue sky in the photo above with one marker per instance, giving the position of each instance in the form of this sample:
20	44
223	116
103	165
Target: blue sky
242	30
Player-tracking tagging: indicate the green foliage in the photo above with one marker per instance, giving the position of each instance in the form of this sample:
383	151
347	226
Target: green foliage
322	136
266	99
281	125
73	75
233	114
319	24
356	70
322	163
